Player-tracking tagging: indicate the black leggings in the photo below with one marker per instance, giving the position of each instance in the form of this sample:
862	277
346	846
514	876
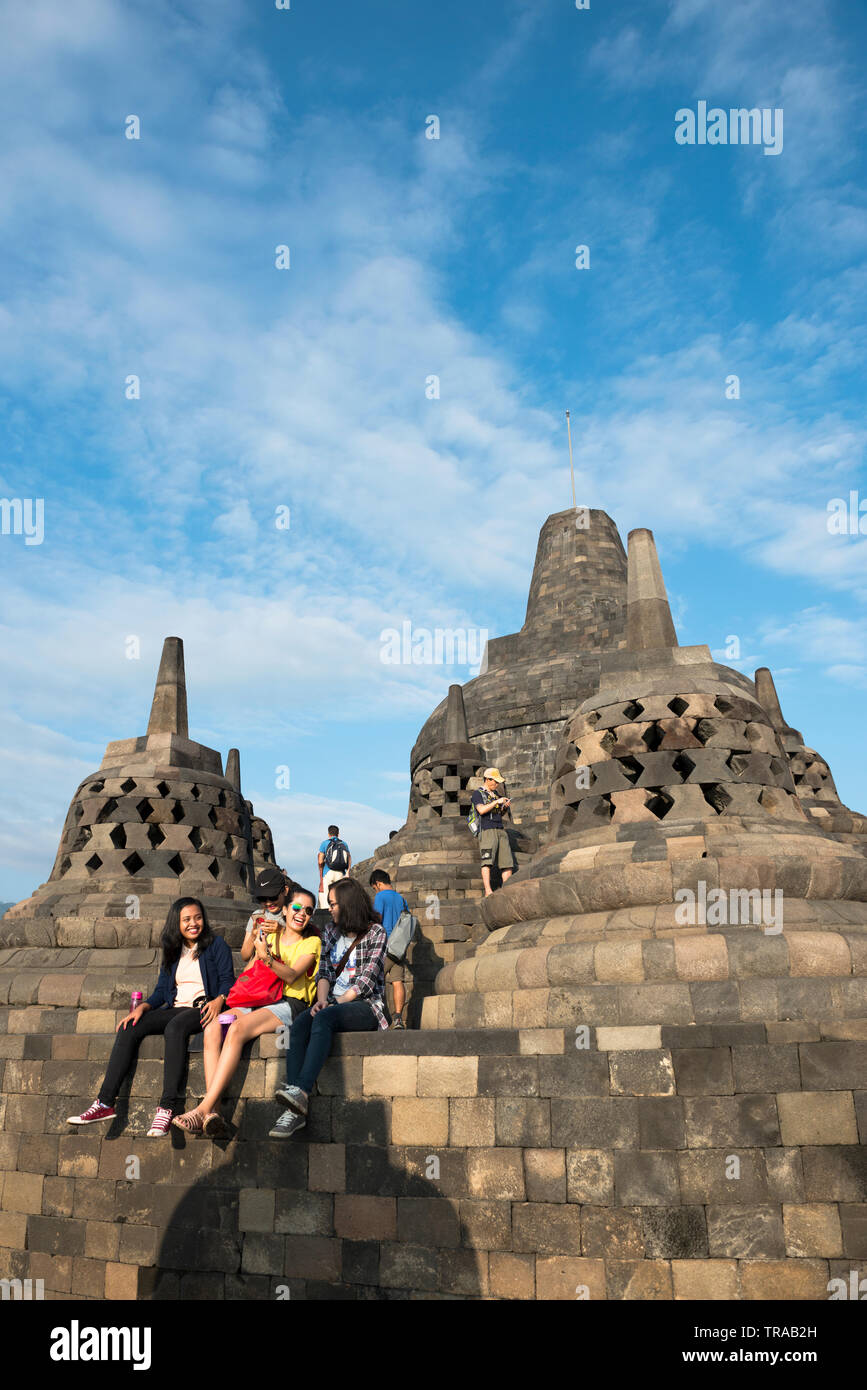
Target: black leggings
178	1025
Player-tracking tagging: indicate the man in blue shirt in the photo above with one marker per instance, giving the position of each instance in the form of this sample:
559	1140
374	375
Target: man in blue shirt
333	861
390	905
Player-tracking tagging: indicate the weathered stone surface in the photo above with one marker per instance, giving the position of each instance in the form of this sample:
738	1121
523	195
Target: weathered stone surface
512	1276
642	1074
712	1121
646	1179
703	1071
590	1176
545	1175
817	1117
745	1233
611	1233
812	1229
704	1280
784	1279
675	1232
569	1277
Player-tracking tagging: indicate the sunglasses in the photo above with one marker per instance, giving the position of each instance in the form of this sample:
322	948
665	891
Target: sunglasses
302	907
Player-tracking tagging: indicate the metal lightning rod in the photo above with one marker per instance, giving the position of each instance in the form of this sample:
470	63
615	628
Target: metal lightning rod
571	464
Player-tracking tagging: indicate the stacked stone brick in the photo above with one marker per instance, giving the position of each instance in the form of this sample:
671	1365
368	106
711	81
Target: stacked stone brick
661	1162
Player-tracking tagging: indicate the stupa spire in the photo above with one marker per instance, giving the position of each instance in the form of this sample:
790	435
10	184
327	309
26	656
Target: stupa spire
768	697
169	708
233	768
456	717
648	616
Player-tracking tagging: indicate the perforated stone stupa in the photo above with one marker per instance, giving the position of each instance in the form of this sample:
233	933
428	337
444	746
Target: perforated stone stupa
811	775
671	784
156	820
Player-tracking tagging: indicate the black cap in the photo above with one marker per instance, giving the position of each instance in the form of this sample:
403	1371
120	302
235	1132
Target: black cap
269	884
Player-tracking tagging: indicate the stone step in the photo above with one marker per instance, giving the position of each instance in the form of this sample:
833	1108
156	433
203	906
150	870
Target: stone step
106	978
711	1059
684	1002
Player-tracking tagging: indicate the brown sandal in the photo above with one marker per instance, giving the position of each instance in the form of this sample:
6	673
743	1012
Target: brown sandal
190	1123
215	1125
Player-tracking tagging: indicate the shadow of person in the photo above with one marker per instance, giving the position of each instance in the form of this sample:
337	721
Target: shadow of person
335	1212
422	964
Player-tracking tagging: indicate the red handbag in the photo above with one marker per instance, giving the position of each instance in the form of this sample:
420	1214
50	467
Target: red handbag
254	987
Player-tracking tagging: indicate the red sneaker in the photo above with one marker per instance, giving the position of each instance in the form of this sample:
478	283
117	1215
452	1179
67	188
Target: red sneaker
161	1123
95	1112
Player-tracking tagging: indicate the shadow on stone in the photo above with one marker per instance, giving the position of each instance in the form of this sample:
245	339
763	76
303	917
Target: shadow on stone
307	1218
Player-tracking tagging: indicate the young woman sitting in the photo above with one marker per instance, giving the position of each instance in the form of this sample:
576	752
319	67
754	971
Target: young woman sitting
292	952
350	997
196	966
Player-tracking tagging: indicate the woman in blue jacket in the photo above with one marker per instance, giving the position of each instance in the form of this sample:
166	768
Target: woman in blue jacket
196	966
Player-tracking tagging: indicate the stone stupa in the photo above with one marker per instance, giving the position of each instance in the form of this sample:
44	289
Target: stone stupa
811	774
671	787
156	821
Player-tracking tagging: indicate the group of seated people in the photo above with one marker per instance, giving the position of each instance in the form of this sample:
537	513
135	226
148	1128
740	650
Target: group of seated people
333	982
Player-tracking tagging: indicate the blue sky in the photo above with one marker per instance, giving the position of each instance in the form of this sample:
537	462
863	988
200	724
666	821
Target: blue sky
409	257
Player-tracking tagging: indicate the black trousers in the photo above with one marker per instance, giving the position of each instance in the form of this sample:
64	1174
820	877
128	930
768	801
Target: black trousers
179	1025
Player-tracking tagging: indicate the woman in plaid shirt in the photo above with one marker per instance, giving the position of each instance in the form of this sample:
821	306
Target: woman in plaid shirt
350	1001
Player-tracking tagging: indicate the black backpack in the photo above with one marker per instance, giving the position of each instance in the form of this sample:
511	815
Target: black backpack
336	856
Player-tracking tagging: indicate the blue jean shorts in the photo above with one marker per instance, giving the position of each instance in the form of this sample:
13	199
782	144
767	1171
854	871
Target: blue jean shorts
286	1010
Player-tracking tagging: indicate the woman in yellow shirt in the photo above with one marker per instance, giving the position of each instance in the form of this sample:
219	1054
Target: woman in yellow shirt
292	952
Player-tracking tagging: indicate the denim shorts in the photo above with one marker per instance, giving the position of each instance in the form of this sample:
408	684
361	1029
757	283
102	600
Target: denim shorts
286	1010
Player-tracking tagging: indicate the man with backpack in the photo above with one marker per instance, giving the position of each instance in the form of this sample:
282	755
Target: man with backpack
486	817
390	904
334	861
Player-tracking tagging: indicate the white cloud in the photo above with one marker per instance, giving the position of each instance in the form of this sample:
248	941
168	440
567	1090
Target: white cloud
849	675
817	634
299	824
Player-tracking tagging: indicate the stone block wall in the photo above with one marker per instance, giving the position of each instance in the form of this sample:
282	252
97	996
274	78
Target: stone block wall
661	1162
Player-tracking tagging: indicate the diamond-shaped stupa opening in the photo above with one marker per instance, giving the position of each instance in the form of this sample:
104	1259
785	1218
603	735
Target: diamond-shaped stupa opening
716	796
